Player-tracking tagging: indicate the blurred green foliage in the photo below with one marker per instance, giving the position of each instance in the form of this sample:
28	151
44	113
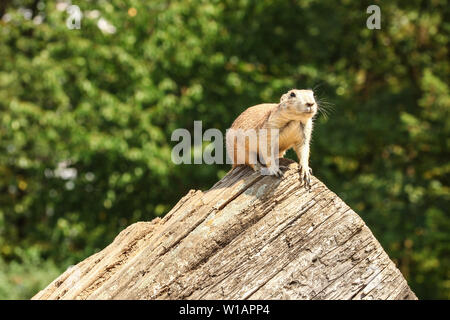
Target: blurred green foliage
86	118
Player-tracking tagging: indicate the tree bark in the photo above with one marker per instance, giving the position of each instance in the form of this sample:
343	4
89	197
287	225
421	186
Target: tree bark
248	237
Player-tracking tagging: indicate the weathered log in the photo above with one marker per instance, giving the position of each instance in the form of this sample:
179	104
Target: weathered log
248	237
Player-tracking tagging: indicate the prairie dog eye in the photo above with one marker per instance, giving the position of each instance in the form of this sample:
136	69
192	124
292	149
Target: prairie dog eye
292	95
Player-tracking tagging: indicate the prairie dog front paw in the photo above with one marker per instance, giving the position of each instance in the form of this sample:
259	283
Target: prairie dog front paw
272	171
305	176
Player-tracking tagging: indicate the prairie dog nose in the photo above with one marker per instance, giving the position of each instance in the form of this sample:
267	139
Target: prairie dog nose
309	104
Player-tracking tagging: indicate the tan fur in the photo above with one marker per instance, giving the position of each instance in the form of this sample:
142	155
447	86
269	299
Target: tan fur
254	117
293	117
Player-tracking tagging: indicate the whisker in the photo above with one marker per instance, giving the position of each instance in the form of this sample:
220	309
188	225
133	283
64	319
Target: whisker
324	107
318	85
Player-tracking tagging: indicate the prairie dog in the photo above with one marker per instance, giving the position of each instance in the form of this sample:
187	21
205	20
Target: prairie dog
292	117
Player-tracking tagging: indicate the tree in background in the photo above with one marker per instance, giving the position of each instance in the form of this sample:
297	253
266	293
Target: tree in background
86	118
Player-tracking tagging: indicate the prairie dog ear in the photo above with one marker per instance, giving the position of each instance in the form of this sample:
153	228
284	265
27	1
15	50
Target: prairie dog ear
284	97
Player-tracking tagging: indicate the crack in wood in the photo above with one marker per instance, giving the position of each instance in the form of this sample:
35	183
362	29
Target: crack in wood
248	237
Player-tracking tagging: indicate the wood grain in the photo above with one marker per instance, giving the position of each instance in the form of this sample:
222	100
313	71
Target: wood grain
248	237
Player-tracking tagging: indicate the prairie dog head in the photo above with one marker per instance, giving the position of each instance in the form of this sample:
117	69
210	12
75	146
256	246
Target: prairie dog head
299	103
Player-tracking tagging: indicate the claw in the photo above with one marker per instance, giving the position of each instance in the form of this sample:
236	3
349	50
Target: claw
305	177
271	171
276	171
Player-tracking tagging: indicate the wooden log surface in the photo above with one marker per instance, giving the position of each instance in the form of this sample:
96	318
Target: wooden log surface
248	237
